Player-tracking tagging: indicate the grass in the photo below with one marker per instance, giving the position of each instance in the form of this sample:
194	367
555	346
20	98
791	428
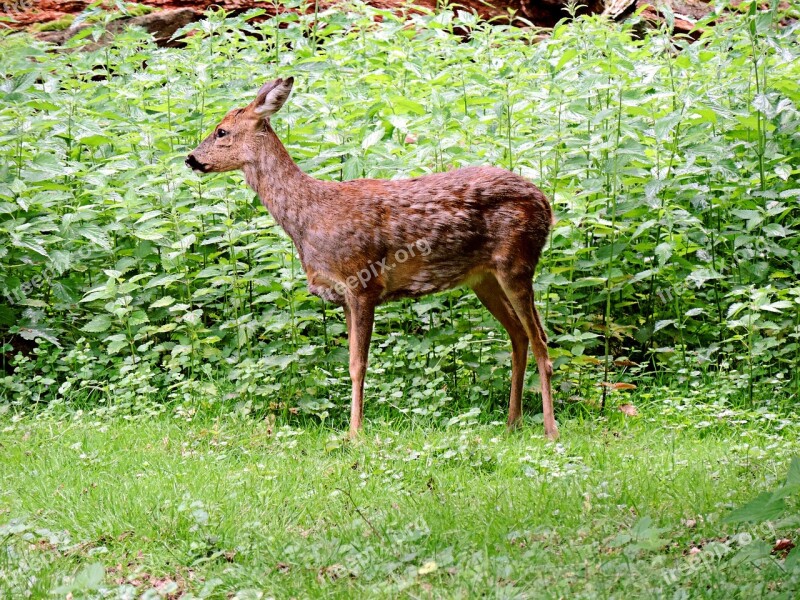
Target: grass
221	506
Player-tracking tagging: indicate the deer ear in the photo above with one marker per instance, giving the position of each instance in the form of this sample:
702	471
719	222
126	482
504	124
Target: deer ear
271	97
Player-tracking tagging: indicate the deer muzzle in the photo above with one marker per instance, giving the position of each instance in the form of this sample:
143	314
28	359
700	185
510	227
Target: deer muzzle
195	164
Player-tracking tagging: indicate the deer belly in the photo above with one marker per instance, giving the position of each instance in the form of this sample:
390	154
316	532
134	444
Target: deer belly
416	278
325	289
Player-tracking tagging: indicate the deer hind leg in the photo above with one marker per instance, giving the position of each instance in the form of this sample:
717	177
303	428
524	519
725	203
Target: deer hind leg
519	290
360	316
494	299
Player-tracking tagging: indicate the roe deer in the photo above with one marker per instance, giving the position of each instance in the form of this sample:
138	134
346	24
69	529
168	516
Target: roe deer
366	241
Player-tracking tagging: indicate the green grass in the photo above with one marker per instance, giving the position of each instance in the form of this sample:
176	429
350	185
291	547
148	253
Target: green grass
221	505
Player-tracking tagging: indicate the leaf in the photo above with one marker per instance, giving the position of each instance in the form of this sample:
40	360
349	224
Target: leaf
162	302
665	125
116	343
669	16
663	252
734	309
753	552
761	104
8	316
60	260
698	277
663	323
147	216
88	579
763	508
373	138
95	234
566	56
625	362
163	280
185	242
405	105
353	168
628	410
22	82
776	306
610	250
783	171
94	140
29	333
99	324
38	248
746	214
101	293
138	317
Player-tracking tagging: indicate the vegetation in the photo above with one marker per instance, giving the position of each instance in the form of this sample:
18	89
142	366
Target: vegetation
94	14
672	166
57	25
156	322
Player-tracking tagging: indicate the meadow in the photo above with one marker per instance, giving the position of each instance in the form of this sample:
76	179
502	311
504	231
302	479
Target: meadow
173	401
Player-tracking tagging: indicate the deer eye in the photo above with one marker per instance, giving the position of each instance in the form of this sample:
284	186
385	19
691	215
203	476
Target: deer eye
221	133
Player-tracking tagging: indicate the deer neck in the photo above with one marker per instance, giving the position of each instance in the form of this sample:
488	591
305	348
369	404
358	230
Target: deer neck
287	193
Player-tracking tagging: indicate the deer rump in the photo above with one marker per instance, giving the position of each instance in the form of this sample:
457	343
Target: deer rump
393	239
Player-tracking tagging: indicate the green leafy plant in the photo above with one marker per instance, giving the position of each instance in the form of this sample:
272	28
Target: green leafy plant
671	164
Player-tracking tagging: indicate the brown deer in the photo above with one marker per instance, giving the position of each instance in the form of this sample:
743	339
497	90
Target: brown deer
366	241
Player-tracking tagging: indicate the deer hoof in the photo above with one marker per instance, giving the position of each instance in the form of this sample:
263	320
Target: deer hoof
551	435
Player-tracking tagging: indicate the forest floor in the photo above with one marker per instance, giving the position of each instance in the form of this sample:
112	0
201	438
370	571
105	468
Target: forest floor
221	507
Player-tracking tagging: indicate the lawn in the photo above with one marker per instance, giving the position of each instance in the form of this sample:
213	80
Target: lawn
223	506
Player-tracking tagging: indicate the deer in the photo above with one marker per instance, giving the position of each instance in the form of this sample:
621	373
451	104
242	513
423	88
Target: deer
364	242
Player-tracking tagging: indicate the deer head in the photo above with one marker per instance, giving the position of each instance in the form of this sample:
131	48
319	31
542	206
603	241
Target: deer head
234	142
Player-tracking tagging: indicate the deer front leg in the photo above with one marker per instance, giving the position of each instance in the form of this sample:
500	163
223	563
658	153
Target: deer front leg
360	317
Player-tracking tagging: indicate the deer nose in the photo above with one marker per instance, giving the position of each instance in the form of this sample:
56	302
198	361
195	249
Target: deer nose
193	163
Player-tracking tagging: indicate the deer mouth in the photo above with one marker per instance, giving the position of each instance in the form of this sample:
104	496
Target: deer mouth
195	165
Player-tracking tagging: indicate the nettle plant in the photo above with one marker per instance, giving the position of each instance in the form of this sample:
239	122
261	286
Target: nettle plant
672	165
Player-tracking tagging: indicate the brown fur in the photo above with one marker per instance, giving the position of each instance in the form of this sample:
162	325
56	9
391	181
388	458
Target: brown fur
367	241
